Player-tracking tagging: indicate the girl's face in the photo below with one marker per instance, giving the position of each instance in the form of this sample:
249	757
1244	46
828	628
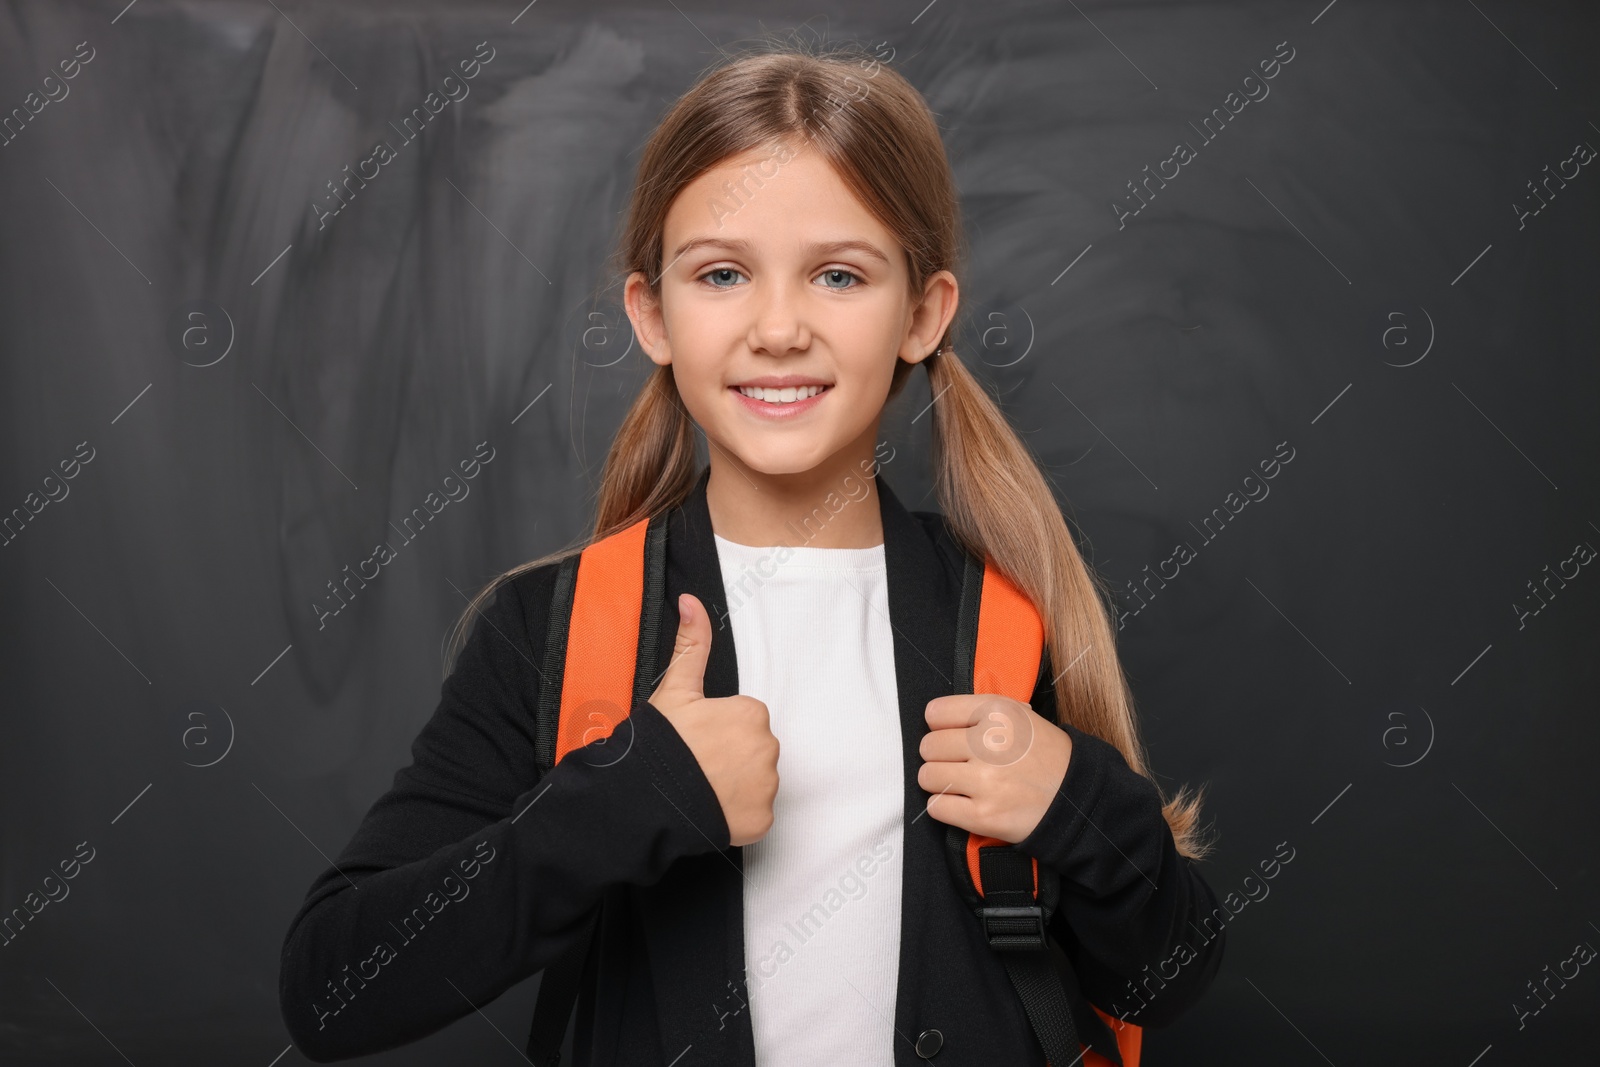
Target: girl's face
775	276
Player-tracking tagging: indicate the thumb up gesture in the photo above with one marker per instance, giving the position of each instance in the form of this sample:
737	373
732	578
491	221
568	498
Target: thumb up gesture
729	736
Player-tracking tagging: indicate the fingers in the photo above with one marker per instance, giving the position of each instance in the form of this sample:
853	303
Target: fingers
686	673
945	746
949	778
953	809
955	709
984	726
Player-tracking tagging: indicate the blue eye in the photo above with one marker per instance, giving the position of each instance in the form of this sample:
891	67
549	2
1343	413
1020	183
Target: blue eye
846	273
720	270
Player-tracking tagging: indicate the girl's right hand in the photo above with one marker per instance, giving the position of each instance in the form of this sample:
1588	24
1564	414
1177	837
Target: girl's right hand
730	736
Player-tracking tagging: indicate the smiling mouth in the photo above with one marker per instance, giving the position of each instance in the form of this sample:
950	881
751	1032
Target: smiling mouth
780	397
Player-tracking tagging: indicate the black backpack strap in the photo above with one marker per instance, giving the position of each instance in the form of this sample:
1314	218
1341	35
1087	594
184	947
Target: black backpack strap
1014	919
558	988
548	713
558	994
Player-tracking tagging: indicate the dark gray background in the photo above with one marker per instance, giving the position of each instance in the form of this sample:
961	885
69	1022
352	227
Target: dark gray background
1360	617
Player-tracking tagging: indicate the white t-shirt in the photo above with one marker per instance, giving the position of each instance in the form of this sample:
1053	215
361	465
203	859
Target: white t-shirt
822	888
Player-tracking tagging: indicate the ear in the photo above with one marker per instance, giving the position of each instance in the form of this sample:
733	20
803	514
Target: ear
644	312
930	317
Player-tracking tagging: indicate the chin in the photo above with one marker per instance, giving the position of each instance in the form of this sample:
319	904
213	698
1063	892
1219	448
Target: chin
776	462
780	468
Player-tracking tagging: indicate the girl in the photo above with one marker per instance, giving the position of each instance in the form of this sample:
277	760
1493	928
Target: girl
792	249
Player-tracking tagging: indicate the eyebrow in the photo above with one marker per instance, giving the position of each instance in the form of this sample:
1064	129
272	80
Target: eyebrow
815	248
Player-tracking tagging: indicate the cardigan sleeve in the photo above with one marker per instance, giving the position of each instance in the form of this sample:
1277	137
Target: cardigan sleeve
1129	900
470	873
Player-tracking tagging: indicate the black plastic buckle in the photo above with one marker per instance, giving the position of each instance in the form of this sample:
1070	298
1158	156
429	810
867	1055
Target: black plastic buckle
1011	928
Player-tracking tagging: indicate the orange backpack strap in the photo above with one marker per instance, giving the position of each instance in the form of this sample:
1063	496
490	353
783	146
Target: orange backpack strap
605	613
999	649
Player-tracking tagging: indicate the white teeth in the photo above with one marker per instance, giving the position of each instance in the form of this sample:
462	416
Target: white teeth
780	396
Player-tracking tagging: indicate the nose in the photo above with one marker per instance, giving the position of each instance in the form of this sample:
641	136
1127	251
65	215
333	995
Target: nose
779	327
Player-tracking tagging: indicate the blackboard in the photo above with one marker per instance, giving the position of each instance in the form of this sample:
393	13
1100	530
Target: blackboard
1370	271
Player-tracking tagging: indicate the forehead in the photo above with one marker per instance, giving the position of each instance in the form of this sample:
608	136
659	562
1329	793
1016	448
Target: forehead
772	201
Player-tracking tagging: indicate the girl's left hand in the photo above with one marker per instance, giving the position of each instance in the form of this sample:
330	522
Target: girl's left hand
992	763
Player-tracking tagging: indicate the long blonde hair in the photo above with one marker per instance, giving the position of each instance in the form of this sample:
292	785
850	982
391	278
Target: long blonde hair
885	146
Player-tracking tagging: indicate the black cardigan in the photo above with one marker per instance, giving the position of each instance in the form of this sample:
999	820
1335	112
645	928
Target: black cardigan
470	874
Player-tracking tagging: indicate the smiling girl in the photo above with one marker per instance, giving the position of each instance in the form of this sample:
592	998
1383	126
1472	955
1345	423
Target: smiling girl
763	872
